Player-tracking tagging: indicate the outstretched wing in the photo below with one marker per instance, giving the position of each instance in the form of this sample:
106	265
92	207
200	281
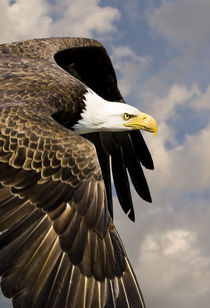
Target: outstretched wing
59	247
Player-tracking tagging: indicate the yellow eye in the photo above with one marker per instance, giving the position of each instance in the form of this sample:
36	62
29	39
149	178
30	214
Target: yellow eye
126	116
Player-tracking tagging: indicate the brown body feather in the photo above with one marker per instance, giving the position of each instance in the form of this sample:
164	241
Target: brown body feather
58	245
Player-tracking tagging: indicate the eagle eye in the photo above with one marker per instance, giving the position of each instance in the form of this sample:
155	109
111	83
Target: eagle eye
126	116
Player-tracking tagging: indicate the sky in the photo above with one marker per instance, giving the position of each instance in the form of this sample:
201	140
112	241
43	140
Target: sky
160	50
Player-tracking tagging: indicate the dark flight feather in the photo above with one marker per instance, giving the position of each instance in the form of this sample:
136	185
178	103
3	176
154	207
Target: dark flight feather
58	244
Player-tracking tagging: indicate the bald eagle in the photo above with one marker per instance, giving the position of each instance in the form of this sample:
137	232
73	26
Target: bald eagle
63	126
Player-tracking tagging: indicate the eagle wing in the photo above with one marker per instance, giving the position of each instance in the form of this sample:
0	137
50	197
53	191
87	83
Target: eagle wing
59	247
58	244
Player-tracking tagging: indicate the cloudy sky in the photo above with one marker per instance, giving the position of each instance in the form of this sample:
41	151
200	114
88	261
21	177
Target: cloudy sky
160	50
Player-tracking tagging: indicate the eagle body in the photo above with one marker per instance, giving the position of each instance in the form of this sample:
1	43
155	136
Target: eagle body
58	244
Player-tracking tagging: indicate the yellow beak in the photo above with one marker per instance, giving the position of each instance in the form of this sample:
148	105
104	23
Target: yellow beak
143	121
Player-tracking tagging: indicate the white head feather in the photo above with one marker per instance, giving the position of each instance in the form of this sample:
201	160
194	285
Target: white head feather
102	115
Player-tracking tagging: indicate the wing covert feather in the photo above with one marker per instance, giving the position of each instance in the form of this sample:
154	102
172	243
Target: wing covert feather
57	235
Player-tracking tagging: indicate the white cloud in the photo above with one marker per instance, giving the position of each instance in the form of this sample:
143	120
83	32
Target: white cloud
173	252
129	66
177	267
122	52
26	19
81	18
183	167
182	21
164	108
168	249
202	102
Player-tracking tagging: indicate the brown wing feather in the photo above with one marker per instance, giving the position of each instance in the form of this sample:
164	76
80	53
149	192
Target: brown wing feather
57	235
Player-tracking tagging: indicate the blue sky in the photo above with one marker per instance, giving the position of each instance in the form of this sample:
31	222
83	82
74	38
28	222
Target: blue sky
160	50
